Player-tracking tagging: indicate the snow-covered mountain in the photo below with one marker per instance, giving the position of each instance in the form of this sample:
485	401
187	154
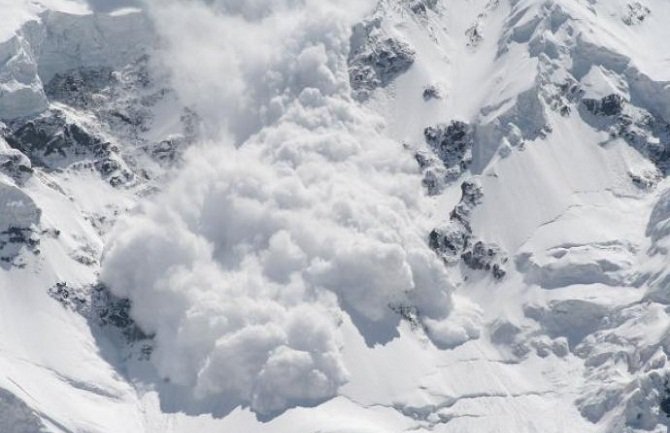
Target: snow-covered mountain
344	216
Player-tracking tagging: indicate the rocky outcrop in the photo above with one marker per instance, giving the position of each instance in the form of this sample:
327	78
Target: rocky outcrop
59	42
610	105
431	92
376	58
643	130
635	13
485	257
19	222
55	141
453	145
454	242
102	309
449	155
13	163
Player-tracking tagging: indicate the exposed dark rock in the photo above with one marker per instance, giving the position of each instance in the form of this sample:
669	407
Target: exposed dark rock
50	139
453	146
665	400
376	58
54	142
16	165
431	92
167	151
485	257
643	130
110	310
434	173
13	239
474	35
610	105
645	180
455	242
471	195
80	87
67	296
560	97
635	13
452	239
449	241
649	134
421	7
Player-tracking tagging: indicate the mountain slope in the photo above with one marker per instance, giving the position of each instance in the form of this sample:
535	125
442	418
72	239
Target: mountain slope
429	215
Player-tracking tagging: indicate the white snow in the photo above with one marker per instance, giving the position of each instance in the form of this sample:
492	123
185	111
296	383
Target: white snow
283	270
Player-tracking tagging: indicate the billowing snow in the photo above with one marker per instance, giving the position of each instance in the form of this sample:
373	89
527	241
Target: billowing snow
267	262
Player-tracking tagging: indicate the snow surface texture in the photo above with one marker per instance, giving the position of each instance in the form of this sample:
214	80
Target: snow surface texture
345	216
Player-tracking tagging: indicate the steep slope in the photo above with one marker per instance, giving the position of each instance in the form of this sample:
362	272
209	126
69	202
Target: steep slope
279	216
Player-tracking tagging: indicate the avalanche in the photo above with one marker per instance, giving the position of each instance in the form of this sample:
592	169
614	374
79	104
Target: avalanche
345	216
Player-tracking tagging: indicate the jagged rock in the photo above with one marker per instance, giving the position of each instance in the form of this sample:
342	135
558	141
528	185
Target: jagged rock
167	151
643	130
635	13
649	134
109	310
52	141
560	97
431	92
474	35
454	241
610	105
68	296
421	7
19	219
15	164
449	241
471	195
79	87
434	173
485	257
645	180
376	58
453	145
49	140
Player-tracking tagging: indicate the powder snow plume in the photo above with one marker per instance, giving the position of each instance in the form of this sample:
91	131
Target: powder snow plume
293	213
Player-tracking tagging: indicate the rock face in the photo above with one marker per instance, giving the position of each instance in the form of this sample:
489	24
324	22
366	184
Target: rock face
55	141
448	156
13	163
635	13
376	58
647	132
454	241
19	225
485	257
610	105
452	144
59	42
21	91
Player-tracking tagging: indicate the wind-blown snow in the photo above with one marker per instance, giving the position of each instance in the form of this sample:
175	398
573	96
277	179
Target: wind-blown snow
245	265
281	267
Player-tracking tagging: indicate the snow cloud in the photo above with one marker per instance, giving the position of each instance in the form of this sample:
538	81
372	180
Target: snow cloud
294	212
